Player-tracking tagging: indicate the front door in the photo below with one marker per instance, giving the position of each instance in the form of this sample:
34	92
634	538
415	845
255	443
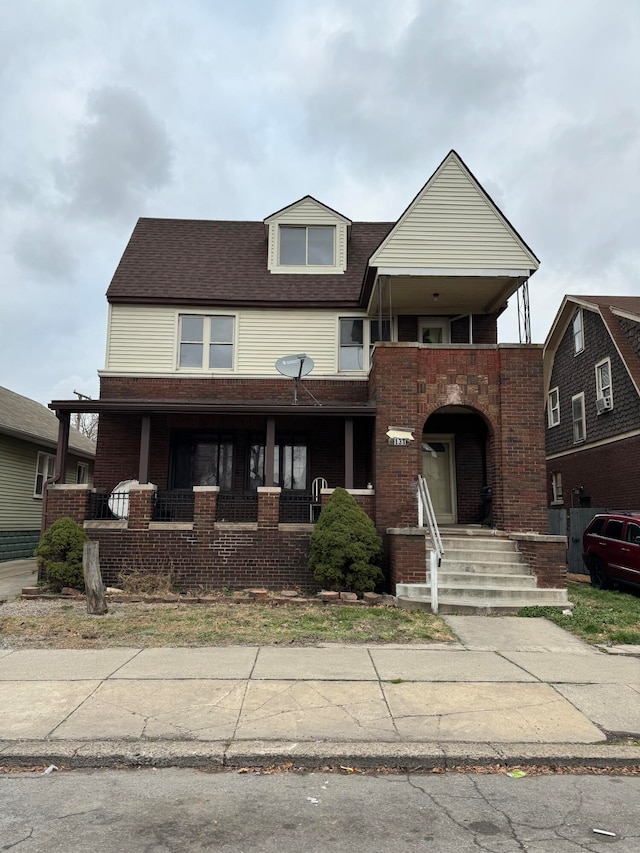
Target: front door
438	468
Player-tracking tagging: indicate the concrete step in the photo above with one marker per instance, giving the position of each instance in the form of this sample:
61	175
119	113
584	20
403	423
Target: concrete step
477	607
477	543
461	593
479	567
484	579
481	555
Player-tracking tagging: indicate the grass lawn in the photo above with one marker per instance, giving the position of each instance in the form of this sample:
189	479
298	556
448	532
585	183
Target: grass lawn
599	616
67	625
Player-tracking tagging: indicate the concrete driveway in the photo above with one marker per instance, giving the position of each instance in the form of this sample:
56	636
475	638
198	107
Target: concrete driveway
15	574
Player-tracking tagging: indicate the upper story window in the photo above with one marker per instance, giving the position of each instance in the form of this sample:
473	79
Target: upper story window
351	355
307	245
578	331
604	395
206	341
45	469
577	412
556	487
553	407
82	473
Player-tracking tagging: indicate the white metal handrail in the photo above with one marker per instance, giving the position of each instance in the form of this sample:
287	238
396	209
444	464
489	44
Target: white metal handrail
425	510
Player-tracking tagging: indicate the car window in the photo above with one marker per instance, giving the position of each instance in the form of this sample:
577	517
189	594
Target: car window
613	529
633	531
596	524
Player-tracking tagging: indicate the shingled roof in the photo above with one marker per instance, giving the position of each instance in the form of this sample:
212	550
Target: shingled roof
31	421
186	261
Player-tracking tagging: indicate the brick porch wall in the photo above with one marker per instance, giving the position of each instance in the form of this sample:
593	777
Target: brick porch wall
546	557
202	553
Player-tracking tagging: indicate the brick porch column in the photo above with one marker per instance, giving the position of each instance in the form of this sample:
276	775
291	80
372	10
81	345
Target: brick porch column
268	506
141	500
67	501
205	507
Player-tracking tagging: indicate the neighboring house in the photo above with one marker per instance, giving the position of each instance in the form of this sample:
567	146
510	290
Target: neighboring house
28	440
400	320
592	381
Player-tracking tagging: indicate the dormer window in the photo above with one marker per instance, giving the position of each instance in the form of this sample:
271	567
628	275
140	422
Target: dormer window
312	245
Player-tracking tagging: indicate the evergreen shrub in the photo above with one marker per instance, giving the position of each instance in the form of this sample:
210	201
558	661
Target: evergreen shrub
345	549
59	554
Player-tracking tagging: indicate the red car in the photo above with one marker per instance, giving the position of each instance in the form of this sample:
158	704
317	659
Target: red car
611	549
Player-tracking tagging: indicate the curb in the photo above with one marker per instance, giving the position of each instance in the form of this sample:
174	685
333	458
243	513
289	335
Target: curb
314	756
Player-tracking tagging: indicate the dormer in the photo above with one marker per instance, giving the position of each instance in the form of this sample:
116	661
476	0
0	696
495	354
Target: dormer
307	237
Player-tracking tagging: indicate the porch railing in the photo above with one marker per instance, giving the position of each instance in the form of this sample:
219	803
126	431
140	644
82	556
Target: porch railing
426	512
237	507
98	507
173	505
295	507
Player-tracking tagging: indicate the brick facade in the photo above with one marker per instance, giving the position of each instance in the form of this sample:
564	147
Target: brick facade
546	558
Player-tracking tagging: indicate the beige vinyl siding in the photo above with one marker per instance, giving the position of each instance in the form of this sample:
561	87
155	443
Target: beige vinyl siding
142	339
453	225
19	510
308	212
265	336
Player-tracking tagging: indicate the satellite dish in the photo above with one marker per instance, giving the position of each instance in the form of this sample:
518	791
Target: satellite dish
118	501
294	366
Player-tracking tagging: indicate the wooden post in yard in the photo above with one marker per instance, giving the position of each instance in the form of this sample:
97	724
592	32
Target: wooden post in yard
96	601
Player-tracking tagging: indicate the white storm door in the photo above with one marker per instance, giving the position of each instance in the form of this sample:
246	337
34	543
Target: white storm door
438	468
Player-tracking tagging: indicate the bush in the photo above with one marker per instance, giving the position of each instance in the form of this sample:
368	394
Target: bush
344	547
59	554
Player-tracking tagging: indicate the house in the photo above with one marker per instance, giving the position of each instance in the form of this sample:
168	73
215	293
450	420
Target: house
28	441
592	386
397	324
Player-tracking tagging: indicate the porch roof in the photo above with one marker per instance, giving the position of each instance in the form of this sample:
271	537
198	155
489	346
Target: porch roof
205	407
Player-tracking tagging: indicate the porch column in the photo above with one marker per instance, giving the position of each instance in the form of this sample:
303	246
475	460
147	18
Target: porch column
145	433
62	448
270	452
348	453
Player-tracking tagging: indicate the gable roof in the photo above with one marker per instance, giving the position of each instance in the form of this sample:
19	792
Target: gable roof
303	202
453	222
610	309
31	421
224	263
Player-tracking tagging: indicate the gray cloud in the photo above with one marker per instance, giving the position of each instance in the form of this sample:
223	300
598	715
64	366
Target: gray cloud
121	154
45	249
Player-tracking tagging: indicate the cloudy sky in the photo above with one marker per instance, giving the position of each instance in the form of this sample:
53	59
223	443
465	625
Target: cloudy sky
115	109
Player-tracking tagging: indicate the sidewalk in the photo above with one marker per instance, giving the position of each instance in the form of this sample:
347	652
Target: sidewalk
512	691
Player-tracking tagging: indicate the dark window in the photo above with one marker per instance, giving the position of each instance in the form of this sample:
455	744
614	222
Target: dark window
613	529
633	531
596	525
202	460
290	464
307	245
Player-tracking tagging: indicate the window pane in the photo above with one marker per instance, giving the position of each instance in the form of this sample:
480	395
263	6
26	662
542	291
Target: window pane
350	358
192	328
51	466
292	246
190	355
225	465
386	331
350	332
256	466
633	531
320	250
220	355
432	335
614	530
205	464
222	330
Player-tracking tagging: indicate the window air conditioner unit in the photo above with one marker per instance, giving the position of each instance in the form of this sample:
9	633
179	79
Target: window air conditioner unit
603	404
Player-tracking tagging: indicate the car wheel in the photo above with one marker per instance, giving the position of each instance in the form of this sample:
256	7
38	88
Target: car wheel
599	577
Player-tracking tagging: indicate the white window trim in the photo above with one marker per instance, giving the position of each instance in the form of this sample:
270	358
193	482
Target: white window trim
556	487
85	467
46	474
550	421
206	341
366	346
599	391
580	397
578	313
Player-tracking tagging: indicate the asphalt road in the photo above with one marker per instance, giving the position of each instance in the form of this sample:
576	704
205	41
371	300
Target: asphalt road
189	810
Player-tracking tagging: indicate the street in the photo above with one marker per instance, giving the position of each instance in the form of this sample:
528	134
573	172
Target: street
186	809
